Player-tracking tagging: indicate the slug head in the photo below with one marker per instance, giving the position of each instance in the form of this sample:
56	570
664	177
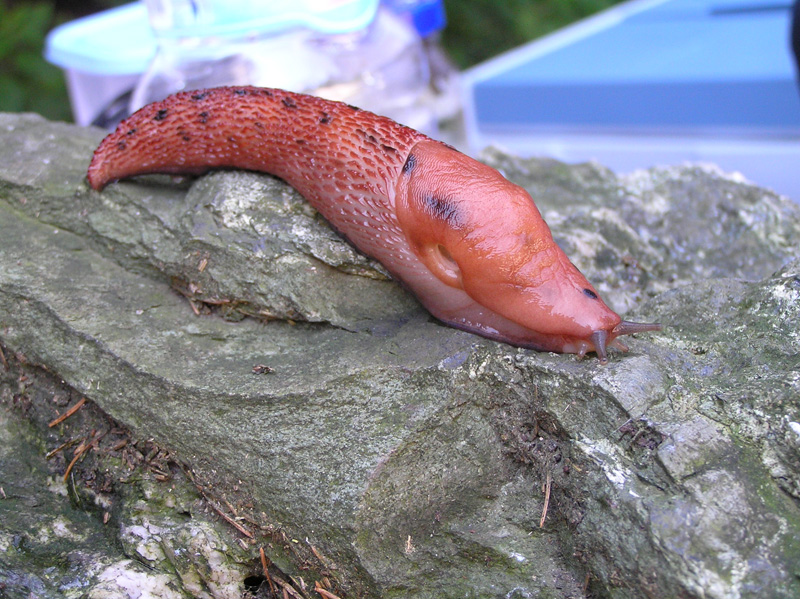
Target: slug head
480	234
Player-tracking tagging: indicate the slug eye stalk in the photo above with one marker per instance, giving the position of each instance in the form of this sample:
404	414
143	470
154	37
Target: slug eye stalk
626	327
600	338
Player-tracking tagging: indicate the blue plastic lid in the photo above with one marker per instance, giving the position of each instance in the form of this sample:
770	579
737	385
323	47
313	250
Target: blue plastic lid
121	41
114	42
240	17
428	16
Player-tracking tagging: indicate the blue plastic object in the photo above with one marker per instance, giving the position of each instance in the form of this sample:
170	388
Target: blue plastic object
118	41
682	65
428	16
121	41
242	17
651	82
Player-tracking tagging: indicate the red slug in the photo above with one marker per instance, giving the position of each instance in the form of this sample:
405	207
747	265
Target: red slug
468	243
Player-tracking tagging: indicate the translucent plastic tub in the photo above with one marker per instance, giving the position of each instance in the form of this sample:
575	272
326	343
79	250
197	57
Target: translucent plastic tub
364	52
102	56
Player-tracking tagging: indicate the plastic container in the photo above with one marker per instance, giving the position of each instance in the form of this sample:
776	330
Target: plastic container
356	51
352	52
103	57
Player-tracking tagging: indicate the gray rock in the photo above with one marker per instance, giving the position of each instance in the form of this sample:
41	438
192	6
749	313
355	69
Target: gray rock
401	457
58	539
286	266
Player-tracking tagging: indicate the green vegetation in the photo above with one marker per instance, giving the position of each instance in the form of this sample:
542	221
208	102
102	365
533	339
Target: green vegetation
477	30
27	81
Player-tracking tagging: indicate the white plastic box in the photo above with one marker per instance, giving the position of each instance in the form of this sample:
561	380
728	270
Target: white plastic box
365	52
102	56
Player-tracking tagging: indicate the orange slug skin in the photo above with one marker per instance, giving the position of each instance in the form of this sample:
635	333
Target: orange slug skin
469	244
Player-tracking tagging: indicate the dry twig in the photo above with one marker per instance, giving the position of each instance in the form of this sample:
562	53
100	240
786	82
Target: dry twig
64	445
265	567
82	449
230	520
288	589
547	485
327	594
68	413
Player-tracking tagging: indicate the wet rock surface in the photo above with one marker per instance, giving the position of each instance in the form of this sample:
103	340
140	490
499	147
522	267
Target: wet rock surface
293	390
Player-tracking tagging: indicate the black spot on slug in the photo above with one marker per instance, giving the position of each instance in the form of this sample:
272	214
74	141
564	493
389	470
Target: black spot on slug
200	96
288	102
410	163
356	108
443	209
132	131
161	115
324	119
258	124
589	293
388	148
367	136
240	92
300	141
185	137
203	117
121	145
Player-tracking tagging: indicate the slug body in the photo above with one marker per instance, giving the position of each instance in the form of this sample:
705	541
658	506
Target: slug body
469	244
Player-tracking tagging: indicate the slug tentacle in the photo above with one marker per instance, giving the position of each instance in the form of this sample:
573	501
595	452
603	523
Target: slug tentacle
616	343
599	342
627	327
469	244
